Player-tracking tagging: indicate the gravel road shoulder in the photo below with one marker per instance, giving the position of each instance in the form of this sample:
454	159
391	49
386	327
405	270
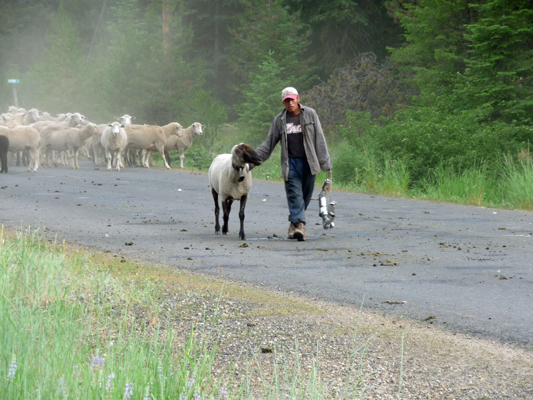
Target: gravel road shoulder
266	327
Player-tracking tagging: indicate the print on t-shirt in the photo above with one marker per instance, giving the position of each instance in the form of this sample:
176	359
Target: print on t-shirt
295	137
293	128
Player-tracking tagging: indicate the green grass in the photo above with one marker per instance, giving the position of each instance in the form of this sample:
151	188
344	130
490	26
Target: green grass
361	167
67	331
82	326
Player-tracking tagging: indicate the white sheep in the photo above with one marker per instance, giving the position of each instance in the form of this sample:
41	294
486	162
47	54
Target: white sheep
31	117
46	116
184	141
70	120
114	140
149	138
231	179
24	138
125	119
8	120
172	130
12	110
66	139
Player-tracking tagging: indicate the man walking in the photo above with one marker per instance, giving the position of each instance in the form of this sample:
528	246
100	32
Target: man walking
304	153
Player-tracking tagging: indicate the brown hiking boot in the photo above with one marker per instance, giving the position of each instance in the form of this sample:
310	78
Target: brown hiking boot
299	232
292	228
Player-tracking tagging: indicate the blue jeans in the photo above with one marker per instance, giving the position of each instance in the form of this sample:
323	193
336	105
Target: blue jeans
299	189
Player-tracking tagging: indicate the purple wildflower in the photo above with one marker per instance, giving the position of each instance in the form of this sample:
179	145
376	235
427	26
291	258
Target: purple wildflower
12	368
98	362
109	382
223	393
128	391
147	392
62	385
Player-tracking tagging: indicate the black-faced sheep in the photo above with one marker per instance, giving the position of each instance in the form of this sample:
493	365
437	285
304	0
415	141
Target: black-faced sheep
4	148
230	178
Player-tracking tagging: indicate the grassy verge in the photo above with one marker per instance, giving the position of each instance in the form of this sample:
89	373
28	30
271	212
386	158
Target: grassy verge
80	325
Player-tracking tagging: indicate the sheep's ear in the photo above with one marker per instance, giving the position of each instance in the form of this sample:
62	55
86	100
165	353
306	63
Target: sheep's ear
238	152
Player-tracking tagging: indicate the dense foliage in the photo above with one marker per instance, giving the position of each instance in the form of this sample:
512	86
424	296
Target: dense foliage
440	80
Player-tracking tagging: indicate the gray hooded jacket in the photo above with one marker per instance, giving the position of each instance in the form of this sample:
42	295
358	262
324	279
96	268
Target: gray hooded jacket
316	149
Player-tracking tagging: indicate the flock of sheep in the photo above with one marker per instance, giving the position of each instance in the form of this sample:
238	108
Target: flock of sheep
52	140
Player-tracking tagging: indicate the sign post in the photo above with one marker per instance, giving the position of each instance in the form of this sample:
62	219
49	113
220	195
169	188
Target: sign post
14	83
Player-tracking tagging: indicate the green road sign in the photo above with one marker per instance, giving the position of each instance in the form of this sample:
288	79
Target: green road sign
13	81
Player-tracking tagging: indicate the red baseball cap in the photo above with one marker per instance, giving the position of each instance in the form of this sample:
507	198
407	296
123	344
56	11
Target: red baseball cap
289	93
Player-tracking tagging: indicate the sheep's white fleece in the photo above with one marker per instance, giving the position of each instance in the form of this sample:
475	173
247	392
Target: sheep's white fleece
224	178
114	140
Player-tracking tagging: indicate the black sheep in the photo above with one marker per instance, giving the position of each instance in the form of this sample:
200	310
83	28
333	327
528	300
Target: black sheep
4	147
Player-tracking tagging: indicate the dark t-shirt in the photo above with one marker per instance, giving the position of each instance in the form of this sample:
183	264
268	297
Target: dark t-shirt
295	137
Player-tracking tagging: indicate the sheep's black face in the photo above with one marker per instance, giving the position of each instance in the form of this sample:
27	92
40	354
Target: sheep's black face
249	155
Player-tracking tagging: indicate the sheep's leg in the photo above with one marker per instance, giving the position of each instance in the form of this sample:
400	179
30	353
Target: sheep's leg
217	210
108	157
118	160
161	151
34	159
122	159
241	216
182	156
226	208
75	159
144	158
47	153
94	154
167	156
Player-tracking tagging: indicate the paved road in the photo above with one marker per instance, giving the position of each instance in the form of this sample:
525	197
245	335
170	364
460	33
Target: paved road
462	268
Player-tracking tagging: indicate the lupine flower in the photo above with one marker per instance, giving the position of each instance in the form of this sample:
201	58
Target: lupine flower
190	383
223	393
12	368
62	384
128	391
196	396
147	392
98	362
109	382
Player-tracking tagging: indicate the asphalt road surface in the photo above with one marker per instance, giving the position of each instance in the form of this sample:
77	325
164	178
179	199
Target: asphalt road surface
462	268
